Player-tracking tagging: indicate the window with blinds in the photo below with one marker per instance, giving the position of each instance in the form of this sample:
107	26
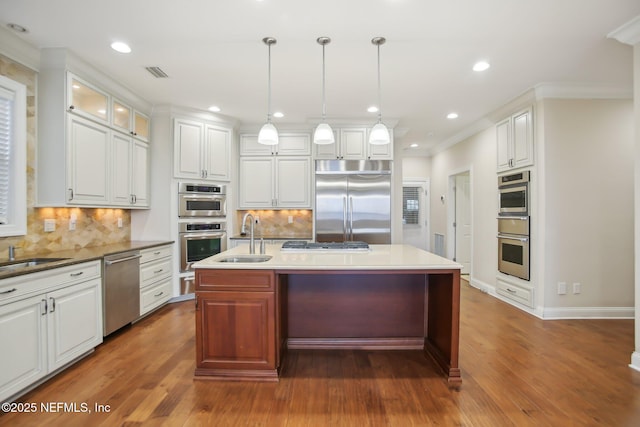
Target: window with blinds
6	135
411	205
13	163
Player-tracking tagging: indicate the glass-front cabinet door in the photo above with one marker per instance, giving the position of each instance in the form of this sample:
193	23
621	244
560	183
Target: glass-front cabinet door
121	116
86	100
141	126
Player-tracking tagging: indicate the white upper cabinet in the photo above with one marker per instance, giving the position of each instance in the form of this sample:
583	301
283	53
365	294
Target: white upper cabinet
514	139
125	119
275	182
81	162
353	144
201	151
87	100
290	144
88	168
130	186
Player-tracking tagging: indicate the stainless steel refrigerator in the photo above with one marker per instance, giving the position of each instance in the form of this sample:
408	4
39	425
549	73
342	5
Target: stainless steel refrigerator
353	201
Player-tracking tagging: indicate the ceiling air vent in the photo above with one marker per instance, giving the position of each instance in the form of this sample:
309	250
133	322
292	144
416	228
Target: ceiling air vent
157	72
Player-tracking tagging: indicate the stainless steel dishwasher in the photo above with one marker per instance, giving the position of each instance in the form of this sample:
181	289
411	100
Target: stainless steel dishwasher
120	290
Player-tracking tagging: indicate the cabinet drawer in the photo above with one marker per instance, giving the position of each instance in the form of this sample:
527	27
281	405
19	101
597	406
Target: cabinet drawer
516	293
28	284
155	296
152	254
154	271
235	280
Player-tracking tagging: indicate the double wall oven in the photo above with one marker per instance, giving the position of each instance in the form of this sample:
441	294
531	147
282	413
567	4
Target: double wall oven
201	227
513	225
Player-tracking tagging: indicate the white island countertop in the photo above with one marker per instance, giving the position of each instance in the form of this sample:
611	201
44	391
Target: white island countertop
379	257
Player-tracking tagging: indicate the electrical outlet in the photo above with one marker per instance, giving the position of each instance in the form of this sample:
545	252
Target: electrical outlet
119	222
49	225
257	218
562	288
290	219
577	287
72	222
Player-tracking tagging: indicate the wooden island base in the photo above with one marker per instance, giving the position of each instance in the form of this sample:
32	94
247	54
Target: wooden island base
245	319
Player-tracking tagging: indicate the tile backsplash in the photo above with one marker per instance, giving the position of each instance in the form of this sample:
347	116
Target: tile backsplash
94	227
275	223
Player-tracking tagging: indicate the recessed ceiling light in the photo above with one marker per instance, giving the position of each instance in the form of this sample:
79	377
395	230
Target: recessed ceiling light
121	47
452	116
278	115
214	108
17	28
414	145
372	109
481	66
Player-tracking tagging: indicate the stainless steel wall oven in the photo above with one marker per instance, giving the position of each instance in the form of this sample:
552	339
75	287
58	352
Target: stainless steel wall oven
513	246
201	200
513	191
200	240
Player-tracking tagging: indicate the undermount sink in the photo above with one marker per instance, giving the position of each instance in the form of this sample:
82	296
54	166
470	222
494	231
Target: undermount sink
246	258
29	262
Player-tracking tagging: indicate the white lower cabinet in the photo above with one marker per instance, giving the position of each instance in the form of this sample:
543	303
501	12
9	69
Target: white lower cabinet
156	267
47	320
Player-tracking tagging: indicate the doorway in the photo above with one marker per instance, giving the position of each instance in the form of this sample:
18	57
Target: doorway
460	223
415	214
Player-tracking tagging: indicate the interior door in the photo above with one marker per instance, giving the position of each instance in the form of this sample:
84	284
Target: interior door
415	214
463	222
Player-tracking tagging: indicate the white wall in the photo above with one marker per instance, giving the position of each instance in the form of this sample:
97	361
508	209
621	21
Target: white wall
588	202
478	155
416	168
582	205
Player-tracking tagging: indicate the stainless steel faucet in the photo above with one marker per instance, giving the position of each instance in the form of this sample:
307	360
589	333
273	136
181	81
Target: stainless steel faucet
252	242
12	253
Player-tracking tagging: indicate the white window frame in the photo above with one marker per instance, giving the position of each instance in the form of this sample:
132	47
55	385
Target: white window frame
17	199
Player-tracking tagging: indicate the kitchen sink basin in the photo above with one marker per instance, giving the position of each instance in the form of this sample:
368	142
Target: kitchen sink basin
28	262
246	258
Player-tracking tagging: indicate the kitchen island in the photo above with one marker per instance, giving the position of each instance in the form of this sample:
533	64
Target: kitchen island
389	297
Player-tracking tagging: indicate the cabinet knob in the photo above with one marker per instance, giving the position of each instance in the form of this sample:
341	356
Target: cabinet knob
71	107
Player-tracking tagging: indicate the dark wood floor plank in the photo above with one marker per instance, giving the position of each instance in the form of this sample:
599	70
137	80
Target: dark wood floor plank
517	370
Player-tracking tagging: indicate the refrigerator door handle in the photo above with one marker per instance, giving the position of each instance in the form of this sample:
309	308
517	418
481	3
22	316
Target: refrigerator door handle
344	218
350	217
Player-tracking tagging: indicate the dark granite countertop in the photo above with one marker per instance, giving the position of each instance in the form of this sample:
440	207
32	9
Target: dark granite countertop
76	256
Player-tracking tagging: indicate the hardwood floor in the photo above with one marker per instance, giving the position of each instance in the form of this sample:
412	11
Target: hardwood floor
517	370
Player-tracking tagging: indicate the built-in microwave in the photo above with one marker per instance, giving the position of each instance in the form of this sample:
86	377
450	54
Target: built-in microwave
201	200
513	194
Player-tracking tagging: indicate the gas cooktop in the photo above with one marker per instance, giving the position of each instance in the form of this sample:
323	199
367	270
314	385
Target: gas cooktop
301	245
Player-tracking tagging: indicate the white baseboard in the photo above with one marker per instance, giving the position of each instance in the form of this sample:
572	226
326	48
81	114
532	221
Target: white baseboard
557	313
635	361
185	297
589	313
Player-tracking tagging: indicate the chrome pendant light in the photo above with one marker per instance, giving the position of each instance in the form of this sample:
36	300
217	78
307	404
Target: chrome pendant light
268	133
323	134
379	134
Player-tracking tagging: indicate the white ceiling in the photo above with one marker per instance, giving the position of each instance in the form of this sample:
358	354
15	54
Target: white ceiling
213	53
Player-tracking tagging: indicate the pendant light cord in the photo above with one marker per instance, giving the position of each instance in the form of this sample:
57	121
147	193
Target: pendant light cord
324	110
379	90
269	91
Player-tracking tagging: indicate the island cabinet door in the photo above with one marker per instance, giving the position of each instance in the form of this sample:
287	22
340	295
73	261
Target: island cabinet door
235	331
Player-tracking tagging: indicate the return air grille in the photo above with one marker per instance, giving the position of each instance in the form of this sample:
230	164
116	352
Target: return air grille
157	72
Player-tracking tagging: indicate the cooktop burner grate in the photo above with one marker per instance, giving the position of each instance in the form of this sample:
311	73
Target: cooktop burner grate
300	245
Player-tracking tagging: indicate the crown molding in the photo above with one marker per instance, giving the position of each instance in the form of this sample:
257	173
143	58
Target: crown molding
582	91
628	33
18	50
